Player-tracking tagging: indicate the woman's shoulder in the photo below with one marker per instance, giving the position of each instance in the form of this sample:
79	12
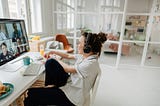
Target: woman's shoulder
78	56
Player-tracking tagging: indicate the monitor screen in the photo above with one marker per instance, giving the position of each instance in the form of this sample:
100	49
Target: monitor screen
13	39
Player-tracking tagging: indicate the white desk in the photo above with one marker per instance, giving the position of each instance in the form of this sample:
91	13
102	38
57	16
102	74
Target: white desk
20	82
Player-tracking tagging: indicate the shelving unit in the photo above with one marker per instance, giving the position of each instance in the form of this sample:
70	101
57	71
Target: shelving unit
111	16
135	27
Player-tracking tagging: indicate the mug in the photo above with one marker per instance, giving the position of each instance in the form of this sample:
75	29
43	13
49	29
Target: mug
27	60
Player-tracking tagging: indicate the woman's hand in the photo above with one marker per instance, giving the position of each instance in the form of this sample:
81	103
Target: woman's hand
52	54
48	55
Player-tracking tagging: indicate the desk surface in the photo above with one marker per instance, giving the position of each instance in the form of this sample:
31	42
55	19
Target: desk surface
20	82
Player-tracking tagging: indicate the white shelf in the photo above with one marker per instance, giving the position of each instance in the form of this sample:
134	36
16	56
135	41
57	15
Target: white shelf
111	41
112	13
86	13
145	14
154	42
133	41
69	37
63	12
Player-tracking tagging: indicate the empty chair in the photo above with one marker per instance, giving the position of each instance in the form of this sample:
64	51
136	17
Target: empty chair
62	38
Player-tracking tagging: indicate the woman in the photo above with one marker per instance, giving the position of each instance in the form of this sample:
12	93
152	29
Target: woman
70	84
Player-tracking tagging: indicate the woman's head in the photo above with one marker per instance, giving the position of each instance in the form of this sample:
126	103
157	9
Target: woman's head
91	43
4	48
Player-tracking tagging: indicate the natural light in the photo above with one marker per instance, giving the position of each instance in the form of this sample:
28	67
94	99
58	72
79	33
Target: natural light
36	16
1	11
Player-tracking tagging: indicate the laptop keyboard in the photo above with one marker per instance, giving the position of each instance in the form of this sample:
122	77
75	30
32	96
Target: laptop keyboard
32	69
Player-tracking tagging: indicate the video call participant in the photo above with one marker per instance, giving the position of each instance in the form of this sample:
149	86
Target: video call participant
6	55
69	85
20	47
16	33
2	35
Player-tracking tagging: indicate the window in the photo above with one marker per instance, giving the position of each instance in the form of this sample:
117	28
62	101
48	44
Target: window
70	17
70	21
61	21
109	2
1	11
17	8
36	16
111	5
65	20
112	21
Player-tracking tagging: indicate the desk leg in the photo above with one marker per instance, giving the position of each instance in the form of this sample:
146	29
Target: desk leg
20	99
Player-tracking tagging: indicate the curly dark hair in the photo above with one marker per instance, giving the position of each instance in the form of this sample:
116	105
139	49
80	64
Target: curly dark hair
94	41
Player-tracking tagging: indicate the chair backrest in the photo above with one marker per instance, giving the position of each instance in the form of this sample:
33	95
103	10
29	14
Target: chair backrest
94	89
62	38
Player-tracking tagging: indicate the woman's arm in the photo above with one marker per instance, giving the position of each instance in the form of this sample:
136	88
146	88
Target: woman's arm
61	54
67	68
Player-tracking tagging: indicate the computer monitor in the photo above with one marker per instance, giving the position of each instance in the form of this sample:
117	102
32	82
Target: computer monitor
13	39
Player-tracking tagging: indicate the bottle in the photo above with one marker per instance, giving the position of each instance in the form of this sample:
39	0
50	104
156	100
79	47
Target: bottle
42	50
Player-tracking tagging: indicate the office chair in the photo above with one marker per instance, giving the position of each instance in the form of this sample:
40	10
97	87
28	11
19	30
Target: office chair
94	88
62	38
89	101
